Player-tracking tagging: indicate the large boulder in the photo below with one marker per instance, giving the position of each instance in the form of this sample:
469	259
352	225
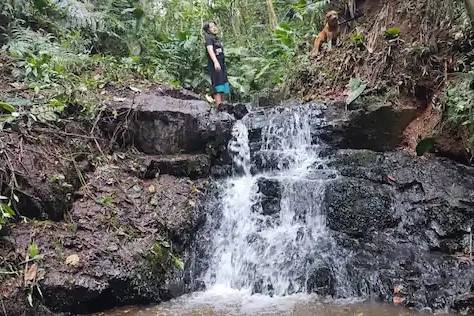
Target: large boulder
376	127
406	224
158	123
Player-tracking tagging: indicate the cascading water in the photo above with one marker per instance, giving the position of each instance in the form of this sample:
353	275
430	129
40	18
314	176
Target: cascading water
271	237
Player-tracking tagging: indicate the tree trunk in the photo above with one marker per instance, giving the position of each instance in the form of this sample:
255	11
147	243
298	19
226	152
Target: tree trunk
470	9
352	8
272	18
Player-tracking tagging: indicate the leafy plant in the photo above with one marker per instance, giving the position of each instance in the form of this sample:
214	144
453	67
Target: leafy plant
33	250
106	200
392	33
6	212
356	88
358	39
459	103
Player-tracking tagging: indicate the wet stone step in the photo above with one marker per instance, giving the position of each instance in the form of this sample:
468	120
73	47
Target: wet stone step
269	191
191	166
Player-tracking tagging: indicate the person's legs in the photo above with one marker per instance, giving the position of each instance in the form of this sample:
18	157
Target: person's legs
218	99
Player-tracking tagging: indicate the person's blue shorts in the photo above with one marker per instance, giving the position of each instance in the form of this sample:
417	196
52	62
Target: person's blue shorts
222	88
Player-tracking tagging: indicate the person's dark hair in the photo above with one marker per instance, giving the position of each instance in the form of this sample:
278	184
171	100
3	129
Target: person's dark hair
207	25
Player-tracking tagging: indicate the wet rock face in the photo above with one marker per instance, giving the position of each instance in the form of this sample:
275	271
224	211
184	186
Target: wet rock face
358	208
191	166
407	225
378	127
161	124
270	196
321	281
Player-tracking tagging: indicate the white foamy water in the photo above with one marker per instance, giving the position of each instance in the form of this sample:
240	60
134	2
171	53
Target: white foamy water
271	251
239	148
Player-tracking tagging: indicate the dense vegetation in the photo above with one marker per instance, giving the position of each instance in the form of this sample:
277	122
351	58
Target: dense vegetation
70	44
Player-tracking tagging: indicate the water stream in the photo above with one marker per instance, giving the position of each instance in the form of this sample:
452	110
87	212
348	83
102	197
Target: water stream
272	235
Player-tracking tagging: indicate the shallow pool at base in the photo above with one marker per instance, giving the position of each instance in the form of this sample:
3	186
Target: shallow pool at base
221	301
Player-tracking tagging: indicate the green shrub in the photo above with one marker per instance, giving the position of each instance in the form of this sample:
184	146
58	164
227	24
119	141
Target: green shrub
392	33
358	39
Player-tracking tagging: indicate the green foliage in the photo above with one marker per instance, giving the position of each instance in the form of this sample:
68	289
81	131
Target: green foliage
58	43
7	107
162	256
459	103
356	88
33	250
6	213
106	200
358	39
392	33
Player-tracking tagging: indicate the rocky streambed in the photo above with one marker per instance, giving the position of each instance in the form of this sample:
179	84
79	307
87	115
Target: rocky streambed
125	226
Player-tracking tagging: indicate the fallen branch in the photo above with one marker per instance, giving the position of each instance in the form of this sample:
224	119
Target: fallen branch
48	131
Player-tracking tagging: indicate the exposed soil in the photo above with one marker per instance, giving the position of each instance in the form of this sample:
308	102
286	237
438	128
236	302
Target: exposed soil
451	142
434	44
416	62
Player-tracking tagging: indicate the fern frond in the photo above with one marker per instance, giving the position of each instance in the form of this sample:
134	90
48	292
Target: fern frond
79	14
26	42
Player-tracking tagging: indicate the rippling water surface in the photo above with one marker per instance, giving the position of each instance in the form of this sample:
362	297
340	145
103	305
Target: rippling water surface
222	301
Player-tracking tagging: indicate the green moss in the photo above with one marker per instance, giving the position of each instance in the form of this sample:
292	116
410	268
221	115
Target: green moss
161	256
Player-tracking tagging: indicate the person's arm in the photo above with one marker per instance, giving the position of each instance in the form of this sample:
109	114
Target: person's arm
210	51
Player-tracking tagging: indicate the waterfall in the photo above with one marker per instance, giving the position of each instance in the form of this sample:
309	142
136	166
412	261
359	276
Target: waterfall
239	148
271	236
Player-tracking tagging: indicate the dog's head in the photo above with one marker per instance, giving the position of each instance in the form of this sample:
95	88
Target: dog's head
332	18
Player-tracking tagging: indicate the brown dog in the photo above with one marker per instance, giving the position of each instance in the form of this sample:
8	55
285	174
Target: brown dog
329	33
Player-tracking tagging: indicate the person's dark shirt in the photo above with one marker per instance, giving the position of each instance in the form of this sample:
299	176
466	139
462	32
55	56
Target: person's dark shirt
217	77
212	40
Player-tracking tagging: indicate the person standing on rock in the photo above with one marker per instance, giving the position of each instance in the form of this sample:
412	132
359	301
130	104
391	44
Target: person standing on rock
216	63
